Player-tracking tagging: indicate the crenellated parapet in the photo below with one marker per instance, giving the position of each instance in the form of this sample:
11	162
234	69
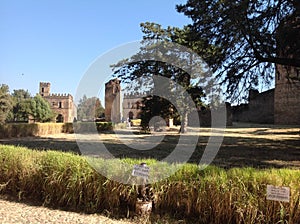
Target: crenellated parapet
61	103
134	95
61	95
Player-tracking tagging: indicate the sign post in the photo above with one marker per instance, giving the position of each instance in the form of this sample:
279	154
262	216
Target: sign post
275	193
143	204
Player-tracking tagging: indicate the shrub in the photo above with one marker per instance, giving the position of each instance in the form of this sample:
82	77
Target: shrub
25	129
68	128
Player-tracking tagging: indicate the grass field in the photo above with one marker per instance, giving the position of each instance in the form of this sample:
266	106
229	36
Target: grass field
231	191
244	145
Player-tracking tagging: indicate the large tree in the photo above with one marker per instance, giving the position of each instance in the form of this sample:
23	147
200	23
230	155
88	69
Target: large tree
89	108
159	46
5	103
21	105
250	34
40	109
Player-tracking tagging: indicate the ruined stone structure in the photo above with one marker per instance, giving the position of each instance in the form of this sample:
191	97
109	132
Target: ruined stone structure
132	104
61	104
205	116
287	95
113	101
260	108
287	84
282	104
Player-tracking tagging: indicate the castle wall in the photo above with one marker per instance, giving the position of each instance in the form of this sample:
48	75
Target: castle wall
62	104
260	108
287	82
205	117
131	106
287	96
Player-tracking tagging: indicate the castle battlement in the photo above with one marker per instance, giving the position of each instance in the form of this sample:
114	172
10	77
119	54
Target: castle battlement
60	103
137	94
60	95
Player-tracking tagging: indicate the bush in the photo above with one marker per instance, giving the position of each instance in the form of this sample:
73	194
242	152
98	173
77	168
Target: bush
25	129
68	128
212	195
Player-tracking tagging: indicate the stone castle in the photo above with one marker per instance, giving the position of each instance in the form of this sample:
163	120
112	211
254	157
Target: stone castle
62	104
131	105
113	101
280	105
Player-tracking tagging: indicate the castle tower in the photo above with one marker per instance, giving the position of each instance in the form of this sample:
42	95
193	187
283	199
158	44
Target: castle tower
113	101
287	83
44	89
61	104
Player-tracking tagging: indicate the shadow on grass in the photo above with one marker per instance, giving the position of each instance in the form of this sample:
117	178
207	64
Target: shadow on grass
235	151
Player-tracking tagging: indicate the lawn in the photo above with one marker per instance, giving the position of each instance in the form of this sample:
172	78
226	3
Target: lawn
244	145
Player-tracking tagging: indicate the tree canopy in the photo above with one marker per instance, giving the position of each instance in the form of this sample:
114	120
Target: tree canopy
6	103
40	109
250	34
89	108
166	53
21	105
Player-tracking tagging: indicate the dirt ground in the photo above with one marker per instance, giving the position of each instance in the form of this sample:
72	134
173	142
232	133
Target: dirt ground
259	146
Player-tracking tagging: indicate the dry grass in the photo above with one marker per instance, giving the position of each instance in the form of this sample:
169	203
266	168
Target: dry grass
252	157
212	195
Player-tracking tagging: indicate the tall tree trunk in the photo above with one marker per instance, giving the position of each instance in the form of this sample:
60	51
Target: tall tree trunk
184	122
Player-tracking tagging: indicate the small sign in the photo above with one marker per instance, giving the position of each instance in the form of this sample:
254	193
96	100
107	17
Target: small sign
140	171
276	193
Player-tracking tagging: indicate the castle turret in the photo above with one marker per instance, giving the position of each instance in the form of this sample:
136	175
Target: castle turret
44	89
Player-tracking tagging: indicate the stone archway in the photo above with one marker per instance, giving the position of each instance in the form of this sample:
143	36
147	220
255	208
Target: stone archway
60	118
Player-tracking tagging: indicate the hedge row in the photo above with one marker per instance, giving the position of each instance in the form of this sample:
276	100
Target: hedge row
42	129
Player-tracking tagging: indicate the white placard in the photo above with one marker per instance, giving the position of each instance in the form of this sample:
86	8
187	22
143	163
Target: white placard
276	193
140	171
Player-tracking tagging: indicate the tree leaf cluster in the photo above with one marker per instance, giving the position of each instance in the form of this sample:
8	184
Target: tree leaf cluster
89	109
20	106
249	34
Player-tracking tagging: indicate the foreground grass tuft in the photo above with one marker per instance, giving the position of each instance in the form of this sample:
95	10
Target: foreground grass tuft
211	195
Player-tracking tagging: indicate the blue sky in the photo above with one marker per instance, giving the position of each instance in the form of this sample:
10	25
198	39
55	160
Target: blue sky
57	40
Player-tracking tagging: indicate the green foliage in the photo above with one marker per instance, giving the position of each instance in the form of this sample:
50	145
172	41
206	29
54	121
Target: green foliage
5	103
22	105
210	195
156	106
250	38
163	46
40	109
89	108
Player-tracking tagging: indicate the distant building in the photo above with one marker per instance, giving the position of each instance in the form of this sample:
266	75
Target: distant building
132	104
62	104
